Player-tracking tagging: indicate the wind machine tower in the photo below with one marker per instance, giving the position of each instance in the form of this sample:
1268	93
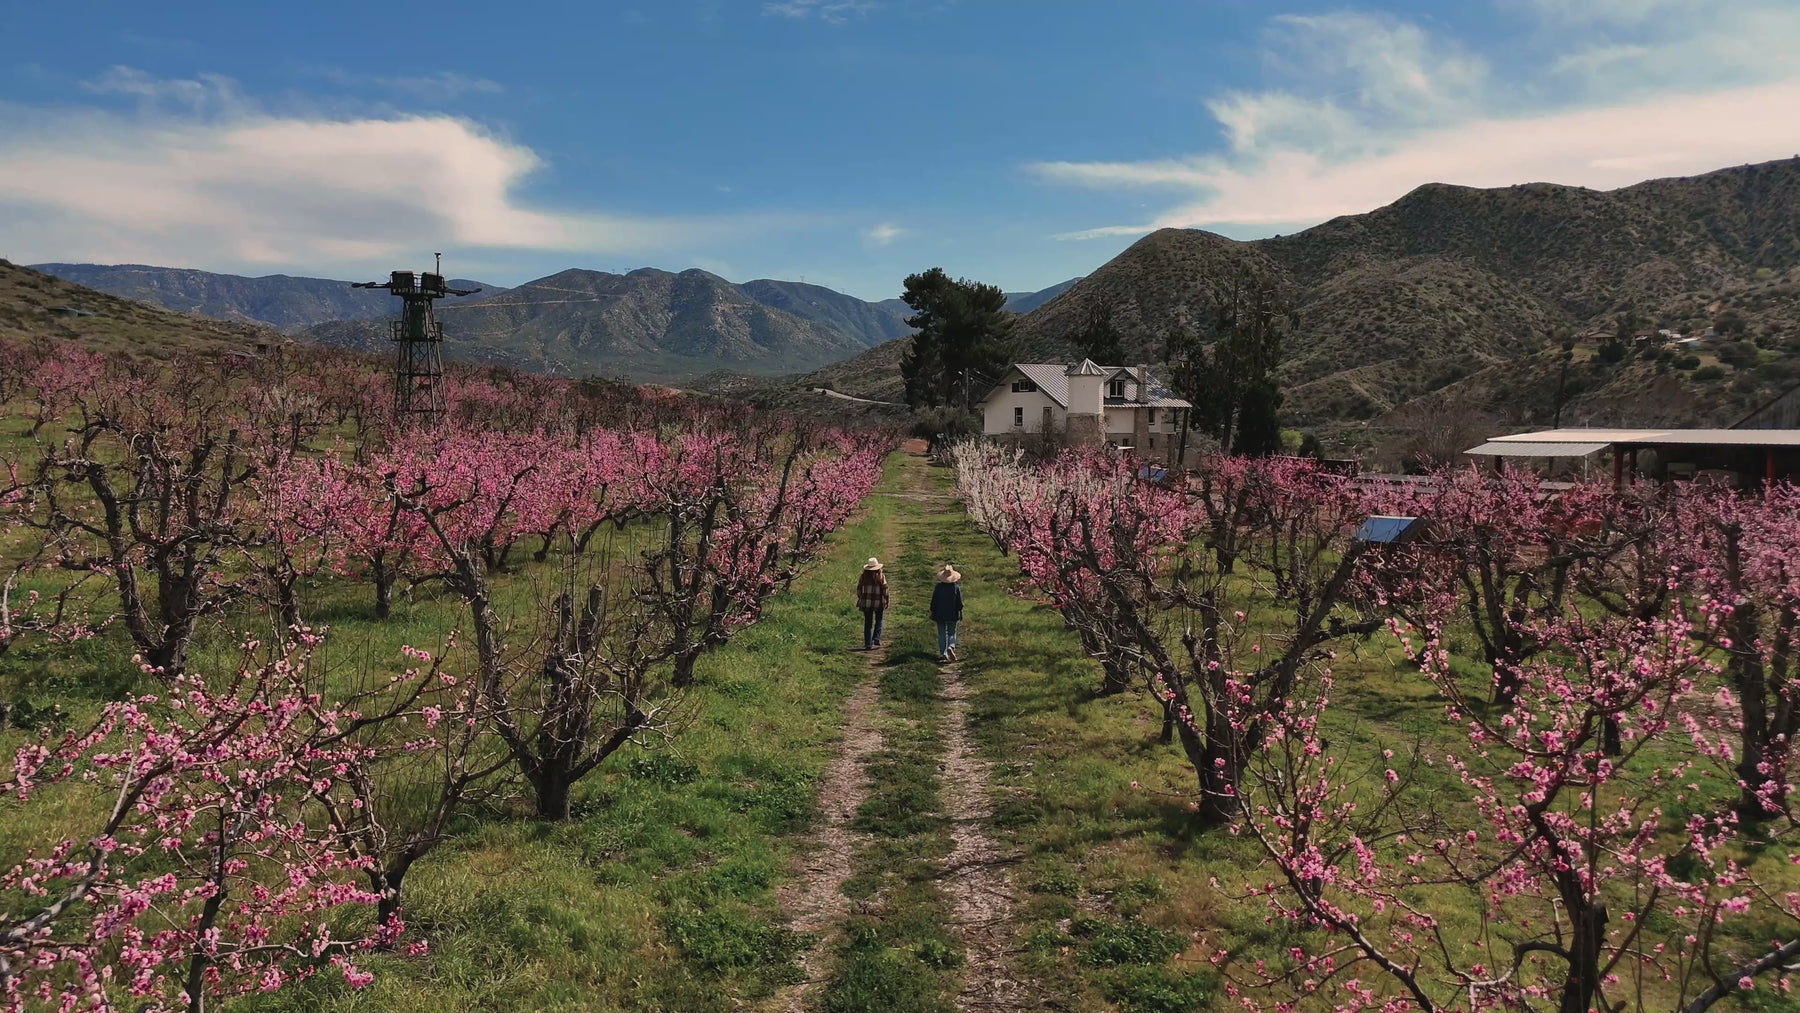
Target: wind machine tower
418	343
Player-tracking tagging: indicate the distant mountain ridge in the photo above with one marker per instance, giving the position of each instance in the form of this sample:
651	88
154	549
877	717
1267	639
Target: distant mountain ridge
648	324
278	300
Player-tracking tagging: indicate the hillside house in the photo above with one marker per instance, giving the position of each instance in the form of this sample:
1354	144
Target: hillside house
1121	406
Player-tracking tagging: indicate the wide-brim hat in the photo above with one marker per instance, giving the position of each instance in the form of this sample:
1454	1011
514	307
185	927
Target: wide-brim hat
872	564
948	574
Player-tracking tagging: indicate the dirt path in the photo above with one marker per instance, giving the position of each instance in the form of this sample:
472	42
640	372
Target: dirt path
814	896
976	875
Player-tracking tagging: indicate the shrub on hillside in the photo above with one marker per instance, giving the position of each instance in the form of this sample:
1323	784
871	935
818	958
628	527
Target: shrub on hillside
1706	374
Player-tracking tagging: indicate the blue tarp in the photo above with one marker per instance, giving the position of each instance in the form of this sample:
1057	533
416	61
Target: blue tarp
1385	530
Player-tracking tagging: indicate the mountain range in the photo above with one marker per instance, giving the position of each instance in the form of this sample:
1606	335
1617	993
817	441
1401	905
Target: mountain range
278	300
1463	294
647	324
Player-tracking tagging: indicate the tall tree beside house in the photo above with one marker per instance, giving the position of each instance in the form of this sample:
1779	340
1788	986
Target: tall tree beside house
1099	338
964	340
1226	366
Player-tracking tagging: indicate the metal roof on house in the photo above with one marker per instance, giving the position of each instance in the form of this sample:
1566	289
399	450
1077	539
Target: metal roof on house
1049	377
1087	367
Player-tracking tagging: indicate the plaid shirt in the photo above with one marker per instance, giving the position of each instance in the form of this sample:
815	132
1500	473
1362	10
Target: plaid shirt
871	591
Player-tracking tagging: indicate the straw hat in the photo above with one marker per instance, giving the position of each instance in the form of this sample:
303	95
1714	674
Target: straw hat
948	574
872	564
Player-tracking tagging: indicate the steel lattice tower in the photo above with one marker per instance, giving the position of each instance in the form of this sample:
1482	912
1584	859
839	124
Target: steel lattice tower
418	344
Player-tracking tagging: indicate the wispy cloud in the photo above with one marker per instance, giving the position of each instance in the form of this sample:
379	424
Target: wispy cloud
1373	107
885	233
445	84
201	175
835	12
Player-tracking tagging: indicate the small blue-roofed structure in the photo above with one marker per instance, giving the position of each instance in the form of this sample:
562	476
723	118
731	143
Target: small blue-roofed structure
1153	473
1385	530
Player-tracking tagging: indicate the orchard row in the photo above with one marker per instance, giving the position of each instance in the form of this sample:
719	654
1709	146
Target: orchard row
1617	721
240	817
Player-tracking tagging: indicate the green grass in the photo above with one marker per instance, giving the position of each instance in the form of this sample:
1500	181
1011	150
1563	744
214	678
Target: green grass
897	955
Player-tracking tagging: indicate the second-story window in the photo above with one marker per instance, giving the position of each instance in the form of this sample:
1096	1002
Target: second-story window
1024	387
1116	388
1019	418
1152	418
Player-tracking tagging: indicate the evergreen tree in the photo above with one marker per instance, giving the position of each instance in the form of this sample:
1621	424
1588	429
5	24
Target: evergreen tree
1226	369
1098	339
964	339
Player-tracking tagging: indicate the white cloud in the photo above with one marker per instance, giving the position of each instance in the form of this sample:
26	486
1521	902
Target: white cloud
834	12
1377	107
1599	148
224	185
885	233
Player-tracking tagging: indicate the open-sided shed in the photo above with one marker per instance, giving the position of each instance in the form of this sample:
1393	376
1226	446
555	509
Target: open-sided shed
1735	456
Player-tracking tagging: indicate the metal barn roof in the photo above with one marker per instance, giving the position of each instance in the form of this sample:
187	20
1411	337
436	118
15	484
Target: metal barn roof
1495	449
1530	444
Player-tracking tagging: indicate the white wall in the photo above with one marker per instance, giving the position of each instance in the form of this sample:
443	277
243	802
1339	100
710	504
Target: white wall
997	412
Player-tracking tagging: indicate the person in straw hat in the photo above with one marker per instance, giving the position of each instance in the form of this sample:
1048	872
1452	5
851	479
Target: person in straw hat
946	610
872	598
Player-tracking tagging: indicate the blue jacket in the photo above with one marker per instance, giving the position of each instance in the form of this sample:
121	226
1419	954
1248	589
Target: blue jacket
946	603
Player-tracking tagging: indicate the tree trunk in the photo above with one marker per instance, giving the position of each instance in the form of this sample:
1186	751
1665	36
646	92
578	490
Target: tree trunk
384	585
1114	678
386	883
553	789
170	655
683	675
1588	929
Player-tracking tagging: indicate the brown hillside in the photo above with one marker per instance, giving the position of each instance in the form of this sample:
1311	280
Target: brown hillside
1454	282
36	306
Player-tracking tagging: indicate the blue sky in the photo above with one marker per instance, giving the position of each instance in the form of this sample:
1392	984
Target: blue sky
848	142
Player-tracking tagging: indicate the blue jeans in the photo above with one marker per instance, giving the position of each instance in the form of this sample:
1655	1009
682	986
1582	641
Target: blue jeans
946	637
871	627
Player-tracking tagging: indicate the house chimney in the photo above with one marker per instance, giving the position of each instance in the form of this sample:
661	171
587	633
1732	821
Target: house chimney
1143	377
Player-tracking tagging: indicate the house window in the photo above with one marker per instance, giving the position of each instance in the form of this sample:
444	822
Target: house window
1128	442
1152	443
1116	388
1018	418
1024	387
1152	416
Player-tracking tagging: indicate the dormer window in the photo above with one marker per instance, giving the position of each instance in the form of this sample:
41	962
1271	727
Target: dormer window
1024	386
1115	389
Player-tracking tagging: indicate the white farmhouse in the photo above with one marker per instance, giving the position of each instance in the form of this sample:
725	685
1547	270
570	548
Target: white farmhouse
1123	406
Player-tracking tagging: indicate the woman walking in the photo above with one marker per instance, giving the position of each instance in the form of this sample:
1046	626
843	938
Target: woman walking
872	598
946	610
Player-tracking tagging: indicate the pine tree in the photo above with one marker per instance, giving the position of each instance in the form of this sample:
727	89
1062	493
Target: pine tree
964	339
